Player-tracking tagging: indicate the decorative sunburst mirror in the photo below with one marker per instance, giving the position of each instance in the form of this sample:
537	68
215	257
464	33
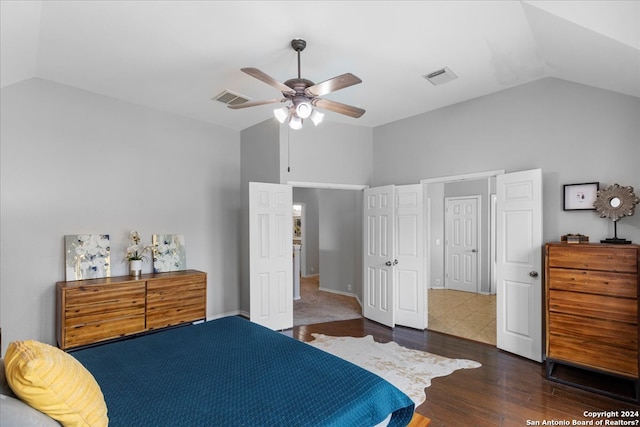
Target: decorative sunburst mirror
616	202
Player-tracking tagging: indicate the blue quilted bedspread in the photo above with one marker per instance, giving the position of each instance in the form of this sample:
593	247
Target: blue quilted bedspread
231	372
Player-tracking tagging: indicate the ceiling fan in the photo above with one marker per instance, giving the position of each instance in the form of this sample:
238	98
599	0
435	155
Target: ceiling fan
303	94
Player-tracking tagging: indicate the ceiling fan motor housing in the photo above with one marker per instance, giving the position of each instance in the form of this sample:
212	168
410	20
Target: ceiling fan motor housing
298	45
299	85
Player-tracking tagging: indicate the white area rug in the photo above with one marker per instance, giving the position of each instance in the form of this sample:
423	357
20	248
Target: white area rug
409	370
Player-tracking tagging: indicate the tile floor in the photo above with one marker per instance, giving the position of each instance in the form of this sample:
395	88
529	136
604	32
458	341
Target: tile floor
463	314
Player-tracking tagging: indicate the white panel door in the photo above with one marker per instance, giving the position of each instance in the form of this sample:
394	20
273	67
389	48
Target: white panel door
411	297
519	263
462	250
378	257
271	255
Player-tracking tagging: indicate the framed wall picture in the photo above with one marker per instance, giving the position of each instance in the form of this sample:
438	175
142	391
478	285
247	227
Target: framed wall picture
168	252
87	256
580	197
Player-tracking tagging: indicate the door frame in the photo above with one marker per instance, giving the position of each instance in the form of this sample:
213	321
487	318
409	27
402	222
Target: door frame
478	233
303	232
418	318
319	186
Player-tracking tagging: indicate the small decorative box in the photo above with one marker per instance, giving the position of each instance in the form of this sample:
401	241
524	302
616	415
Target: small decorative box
575	238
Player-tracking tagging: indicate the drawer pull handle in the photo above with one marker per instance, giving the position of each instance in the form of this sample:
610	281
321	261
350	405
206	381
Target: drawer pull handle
533	274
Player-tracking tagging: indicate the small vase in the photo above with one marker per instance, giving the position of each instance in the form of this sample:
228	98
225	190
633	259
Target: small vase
135	267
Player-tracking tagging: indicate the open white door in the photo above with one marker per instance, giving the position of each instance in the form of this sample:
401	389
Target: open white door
411	296
378	259
271	255
519	263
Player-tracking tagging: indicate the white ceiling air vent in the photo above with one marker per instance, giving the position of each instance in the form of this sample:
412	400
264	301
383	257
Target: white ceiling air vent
231	98
441	76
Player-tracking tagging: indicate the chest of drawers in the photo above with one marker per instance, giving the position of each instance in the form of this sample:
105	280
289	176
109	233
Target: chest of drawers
96	310
591	295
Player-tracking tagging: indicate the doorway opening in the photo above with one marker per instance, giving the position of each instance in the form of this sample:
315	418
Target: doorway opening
329	228
461	256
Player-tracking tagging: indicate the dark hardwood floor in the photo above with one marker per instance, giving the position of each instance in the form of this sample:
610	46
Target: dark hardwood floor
506	391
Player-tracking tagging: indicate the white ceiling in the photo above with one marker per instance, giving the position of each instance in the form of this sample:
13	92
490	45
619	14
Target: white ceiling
177	55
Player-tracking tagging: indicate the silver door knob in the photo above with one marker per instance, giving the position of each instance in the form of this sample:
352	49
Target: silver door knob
389	263
533	274
474	250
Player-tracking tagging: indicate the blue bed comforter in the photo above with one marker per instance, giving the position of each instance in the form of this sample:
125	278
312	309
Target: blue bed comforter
231	372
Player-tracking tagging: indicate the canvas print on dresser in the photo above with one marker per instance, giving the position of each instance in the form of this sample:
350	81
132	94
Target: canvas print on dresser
87	256
168	253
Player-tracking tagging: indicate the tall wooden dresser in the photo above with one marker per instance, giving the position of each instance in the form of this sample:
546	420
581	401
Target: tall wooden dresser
98	310
591	293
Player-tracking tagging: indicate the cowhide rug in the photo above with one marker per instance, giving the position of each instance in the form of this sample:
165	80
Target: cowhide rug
409	370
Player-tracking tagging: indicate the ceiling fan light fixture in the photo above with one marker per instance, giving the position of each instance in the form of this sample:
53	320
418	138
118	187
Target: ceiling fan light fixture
281	114
304	109
295	123
316	117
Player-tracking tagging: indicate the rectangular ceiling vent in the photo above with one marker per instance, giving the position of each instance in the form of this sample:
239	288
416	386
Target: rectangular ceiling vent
441	76
231	98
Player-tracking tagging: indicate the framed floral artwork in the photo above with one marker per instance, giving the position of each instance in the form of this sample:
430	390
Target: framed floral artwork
168	253
87	256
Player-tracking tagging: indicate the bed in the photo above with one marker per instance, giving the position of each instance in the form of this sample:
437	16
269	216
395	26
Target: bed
233	372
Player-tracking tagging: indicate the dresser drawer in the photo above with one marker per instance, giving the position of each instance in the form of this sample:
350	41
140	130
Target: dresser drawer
624	285
592	354
172	302
95	313
593	306
593	257
78	334
86	303
609	332
169	285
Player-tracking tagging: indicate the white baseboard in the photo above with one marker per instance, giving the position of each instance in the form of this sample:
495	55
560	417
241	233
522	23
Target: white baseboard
347	294
227	314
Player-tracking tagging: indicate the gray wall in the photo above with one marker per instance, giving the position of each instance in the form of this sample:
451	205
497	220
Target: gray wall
574	133
260	160
341	241
329	153
75	162
436	225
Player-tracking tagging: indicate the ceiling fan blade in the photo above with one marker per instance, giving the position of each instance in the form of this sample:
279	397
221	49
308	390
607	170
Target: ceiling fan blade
337	107
254	72
332	85
255	103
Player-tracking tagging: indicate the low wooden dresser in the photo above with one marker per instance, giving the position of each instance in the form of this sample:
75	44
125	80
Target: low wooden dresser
592	311
97	310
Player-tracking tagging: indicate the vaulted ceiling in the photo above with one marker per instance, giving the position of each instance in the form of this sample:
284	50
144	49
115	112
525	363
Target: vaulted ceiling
176	56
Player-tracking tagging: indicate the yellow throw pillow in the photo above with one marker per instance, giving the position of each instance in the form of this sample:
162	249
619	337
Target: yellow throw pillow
55	383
